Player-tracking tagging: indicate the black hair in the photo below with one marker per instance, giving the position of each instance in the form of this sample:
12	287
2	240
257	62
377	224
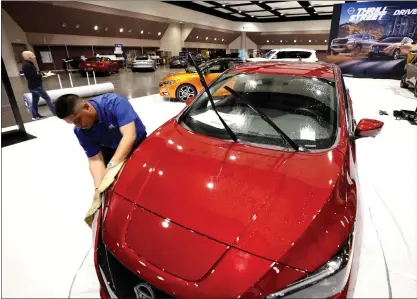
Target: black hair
66	104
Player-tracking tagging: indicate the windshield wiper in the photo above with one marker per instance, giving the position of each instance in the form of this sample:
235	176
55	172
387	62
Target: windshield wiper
203	82
290	142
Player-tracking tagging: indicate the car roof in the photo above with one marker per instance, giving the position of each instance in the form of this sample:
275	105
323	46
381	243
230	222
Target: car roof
307	69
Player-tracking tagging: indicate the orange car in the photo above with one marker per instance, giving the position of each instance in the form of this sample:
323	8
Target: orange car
185	85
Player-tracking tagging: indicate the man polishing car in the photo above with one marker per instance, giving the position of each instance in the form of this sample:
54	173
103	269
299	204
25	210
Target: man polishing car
106	126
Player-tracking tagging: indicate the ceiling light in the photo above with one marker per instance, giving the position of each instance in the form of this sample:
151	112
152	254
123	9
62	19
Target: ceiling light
315	12
325	40
223	5
240	11
77	26
206	38
222	39
252	16
260	1
197	37
64	25
130	30
121	30
96	27
141	32
149	33
309	40
310	6
267	41
280	41
215	38
107	28
159	33
295	41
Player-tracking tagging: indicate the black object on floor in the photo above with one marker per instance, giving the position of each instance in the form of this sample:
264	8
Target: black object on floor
14	137
382	112
409	115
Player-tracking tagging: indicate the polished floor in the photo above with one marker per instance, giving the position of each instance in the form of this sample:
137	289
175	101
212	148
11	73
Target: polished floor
129	84
46	243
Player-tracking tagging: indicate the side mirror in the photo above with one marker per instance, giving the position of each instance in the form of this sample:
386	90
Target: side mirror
189	101
368	128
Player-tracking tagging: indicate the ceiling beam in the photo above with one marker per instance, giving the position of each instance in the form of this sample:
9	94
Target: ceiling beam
266	7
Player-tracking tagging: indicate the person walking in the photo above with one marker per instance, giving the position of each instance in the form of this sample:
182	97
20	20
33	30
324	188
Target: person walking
107	128
34	79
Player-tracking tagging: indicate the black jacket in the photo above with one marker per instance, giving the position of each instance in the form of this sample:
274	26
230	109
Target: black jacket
34	78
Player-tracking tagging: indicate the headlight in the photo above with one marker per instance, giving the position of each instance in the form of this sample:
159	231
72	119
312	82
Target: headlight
327	281
165	83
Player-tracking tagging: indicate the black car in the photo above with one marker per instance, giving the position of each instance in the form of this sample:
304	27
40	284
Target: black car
178	62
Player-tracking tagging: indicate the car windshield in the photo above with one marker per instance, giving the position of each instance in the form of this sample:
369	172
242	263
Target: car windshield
141	58
267	54
93	59
355	36
392	39
304	108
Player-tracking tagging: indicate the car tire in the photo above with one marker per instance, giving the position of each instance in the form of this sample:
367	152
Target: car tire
396	54
357	50
184	92
403	83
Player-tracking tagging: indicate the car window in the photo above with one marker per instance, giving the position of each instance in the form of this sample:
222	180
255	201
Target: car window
304	108
392	40
298	54
231	64
218	67
279	55
93	59
141	58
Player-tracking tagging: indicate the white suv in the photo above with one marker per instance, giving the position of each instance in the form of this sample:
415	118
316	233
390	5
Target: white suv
287	55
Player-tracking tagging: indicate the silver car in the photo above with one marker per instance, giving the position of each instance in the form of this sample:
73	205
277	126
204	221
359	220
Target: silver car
143	62
354	43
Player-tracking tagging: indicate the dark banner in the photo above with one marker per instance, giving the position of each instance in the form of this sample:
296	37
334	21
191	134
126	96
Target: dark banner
374	39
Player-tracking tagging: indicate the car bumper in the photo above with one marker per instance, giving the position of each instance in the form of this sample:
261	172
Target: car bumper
342	48
166	92
142	66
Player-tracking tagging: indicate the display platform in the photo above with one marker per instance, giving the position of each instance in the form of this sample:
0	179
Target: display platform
47	190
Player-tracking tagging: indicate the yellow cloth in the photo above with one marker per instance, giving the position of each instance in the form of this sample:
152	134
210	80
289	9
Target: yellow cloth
105	183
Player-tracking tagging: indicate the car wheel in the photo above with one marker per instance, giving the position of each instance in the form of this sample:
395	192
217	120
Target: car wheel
185	91
403	83
357	50
396	54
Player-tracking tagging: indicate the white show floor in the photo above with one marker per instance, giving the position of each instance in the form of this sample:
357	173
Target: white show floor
47	190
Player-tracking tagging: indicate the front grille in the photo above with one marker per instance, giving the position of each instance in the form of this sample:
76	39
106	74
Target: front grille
121	280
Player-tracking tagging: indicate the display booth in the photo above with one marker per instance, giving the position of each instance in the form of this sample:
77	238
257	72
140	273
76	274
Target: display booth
373	39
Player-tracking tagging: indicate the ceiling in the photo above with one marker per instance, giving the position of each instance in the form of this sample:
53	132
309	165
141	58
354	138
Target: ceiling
43	17
263	11
288	39
211	36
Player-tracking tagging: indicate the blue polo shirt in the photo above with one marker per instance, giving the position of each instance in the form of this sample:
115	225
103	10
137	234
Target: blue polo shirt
114	111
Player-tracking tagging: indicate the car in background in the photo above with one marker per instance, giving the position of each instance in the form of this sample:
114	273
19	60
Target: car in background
98	65
393	46
287	55
178	62
185	85
409	78
144	62
353	43
240	203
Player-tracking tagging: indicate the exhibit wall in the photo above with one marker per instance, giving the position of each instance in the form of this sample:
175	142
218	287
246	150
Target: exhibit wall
373	39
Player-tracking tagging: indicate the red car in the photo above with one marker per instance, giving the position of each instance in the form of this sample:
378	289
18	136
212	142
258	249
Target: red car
261	204
99	65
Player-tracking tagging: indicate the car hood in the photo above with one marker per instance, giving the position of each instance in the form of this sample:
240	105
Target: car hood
385	44
256	199
178	76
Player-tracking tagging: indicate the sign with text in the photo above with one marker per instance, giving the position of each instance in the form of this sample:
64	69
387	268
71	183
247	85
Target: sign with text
374	38
118	49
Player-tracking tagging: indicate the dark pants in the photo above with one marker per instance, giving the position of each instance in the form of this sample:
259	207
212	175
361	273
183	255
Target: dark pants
108	152
37	93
